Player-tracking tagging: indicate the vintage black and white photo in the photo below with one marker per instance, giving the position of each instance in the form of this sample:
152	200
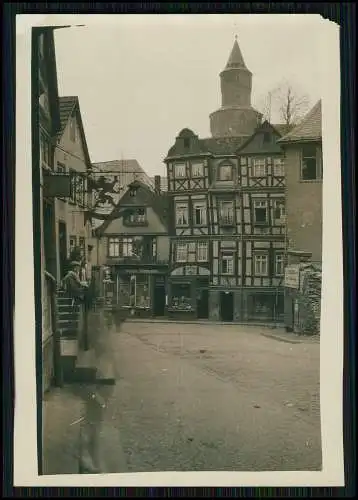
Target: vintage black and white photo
178	205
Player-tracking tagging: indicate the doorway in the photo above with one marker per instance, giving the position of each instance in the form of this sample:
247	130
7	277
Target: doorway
62	237
227	306
202	304
159	300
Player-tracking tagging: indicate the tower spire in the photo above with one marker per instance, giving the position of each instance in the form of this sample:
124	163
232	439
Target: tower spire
236	59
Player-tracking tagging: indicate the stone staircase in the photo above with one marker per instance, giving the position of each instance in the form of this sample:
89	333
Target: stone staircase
79	364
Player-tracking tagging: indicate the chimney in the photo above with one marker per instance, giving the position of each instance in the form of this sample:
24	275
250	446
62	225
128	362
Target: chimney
157	184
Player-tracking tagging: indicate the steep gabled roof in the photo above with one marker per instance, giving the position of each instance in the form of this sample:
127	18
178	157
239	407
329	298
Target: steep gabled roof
210	145
69	105
309	129
257	143
282	128
158	202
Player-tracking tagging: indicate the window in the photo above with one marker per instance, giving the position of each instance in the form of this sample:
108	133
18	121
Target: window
266	137
72	245
202	251
225	172
261	265
45	150
227	264
154	247
260	212
137	216
199	212
181	296
73	129
197	170
181	214
186	143
82	244
278	167
181	252
259	167
127	247
113	247
142	291
180	170
278	211
279	264
226	215
309	163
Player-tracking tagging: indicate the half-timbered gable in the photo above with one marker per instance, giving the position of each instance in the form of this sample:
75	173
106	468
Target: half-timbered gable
261	160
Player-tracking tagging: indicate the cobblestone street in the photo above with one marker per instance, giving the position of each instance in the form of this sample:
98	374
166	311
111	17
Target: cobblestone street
194	397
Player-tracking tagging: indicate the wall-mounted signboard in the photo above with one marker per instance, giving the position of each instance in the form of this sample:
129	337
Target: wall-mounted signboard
292	276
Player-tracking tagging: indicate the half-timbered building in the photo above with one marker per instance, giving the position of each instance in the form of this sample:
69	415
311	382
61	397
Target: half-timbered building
188	182
228	225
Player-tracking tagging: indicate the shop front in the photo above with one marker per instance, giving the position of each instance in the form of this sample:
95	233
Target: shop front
137	292
265	305
188	296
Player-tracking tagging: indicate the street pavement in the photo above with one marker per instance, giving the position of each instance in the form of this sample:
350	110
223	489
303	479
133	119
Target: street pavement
194	397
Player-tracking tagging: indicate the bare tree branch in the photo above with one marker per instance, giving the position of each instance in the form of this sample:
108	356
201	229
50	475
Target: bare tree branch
287	102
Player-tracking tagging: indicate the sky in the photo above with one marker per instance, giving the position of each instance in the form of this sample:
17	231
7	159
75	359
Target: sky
141	79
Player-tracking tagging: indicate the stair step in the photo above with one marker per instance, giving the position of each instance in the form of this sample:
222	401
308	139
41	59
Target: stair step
70	316
85	368
68	333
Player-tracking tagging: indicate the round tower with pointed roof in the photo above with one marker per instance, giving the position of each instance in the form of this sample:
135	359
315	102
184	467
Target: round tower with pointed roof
236	117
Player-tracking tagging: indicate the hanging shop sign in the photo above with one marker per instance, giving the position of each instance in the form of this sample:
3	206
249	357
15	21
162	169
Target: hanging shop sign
56	185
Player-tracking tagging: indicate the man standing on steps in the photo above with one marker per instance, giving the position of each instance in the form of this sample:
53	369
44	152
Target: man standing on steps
72	282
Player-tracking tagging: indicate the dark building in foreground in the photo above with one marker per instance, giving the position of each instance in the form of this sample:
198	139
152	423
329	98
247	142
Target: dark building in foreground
227	237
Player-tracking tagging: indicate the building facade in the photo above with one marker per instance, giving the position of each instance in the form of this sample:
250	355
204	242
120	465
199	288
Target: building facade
227	234
134	245
46	95
73	229
304	175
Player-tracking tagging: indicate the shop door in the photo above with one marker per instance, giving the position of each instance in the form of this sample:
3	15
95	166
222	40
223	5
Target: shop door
202	304
159	300
227	306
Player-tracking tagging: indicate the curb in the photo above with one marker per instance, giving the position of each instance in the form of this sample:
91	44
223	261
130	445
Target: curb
206	323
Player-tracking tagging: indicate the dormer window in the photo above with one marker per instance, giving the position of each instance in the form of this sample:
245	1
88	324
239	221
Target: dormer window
137	216
186	143
267	137
225	172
